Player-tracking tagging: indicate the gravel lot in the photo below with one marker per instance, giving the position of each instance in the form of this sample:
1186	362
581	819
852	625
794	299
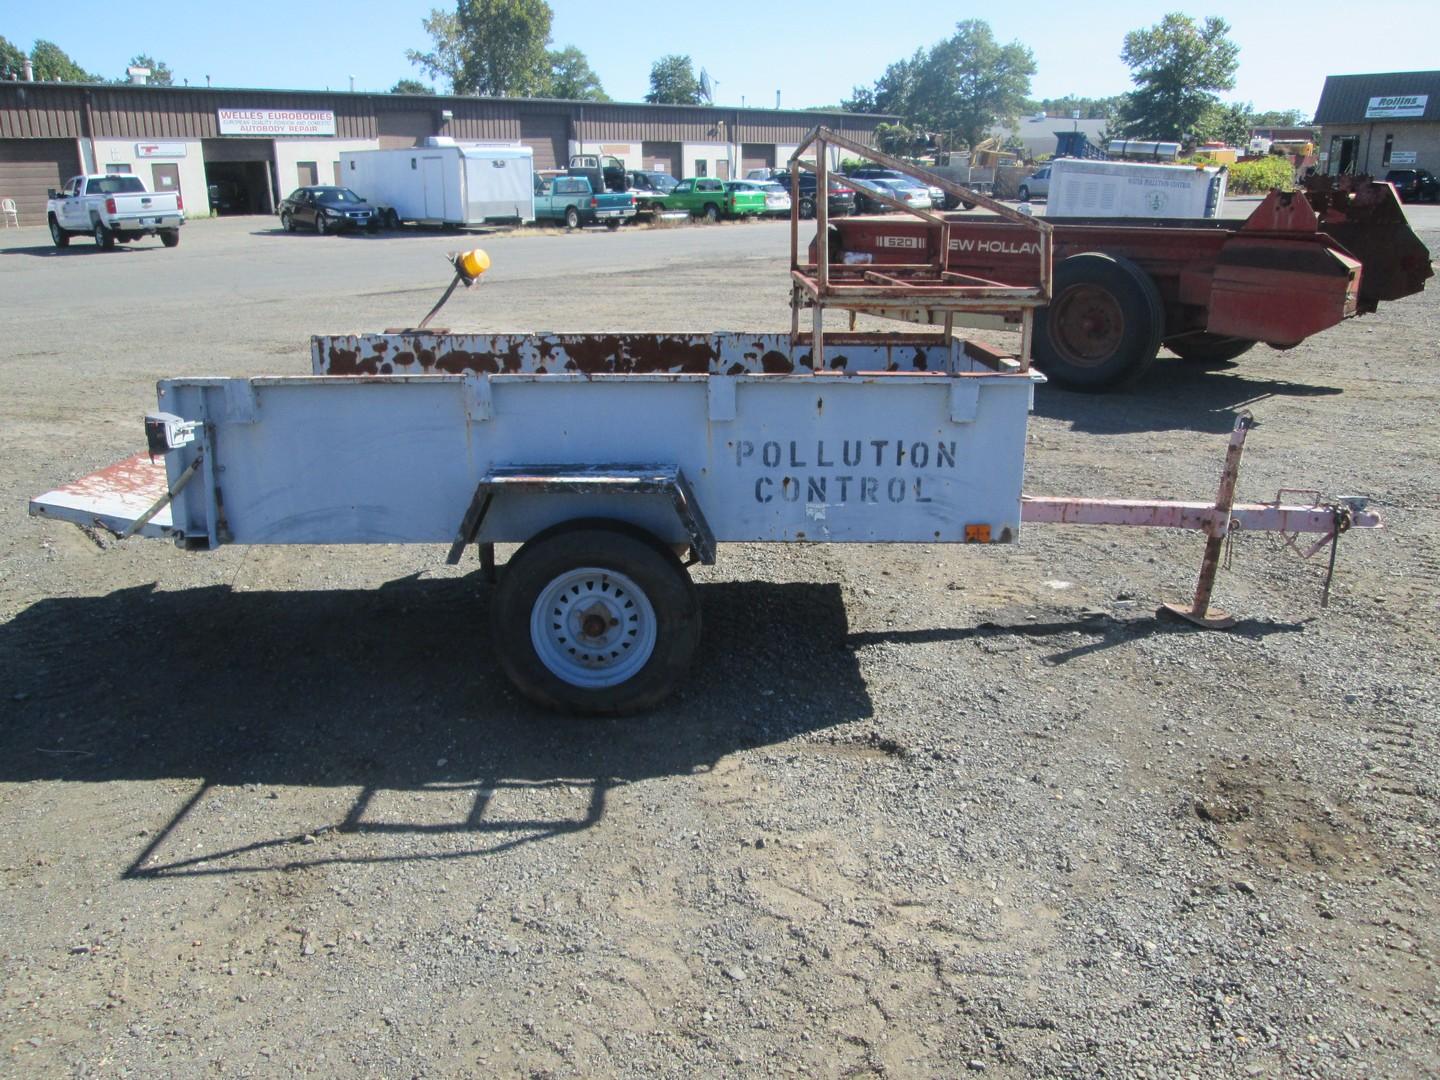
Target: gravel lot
920	811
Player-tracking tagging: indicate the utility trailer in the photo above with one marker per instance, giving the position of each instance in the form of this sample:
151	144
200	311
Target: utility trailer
1208	290
443	182
616	461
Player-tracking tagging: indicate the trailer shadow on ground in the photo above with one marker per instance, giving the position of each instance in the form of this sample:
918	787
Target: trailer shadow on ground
1173	395
388	694
385	709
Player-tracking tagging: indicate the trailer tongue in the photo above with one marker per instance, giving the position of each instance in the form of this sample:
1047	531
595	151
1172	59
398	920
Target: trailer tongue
618	460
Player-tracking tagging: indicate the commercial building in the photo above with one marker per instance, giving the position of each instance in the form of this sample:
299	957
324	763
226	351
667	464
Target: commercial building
1375	123
260	144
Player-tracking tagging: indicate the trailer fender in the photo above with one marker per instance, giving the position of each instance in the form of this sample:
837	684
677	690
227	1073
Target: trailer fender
1103	325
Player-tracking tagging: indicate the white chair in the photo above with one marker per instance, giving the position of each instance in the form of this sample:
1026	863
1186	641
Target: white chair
9	213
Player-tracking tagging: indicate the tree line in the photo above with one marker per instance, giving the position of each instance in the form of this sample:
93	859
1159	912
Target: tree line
50	63
966	85
959	88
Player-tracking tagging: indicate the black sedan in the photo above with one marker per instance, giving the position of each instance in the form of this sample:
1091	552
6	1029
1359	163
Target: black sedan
327	209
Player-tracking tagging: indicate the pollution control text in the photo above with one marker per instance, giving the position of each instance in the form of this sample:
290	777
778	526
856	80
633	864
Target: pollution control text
840	471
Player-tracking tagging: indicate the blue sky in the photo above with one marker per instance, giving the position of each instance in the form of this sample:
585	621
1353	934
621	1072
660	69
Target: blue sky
812	58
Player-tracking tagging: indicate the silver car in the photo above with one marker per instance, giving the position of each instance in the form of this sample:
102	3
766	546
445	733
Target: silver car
1037	183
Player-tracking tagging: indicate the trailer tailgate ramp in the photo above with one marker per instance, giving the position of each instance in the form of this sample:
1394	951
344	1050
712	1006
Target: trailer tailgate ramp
115	498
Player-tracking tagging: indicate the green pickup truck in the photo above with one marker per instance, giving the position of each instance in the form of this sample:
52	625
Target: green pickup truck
708	198
570	199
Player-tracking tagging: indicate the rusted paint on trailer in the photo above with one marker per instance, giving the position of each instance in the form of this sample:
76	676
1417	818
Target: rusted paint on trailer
409	353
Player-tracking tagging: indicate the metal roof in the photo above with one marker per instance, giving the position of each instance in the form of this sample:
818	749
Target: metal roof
1346	97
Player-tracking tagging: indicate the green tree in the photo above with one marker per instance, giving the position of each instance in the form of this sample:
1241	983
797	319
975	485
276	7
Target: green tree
673	82
52	63
572	77
1229	124
12	60
160	73
411	86
1281	118
965	84
1177	66
971	82
494	48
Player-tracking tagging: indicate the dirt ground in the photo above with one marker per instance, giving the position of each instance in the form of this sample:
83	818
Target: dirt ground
918	811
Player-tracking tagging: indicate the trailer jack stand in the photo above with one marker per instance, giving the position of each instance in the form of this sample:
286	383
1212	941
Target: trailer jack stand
1200	612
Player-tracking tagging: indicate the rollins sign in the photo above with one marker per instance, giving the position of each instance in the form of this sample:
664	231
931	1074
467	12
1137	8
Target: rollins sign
277	122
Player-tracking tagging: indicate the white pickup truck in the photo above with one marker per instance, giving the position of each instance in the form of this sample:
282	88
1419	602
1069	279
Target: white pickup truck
114	208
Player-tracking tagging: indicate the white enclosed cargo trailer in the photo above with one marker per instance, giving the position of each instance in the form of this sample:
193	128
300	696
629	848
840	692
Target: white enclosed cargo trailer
1081	187
446	183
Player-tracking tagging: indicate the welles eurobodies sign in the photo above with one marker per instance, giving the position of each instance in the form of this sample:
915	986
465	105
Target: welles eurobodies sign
276	122
1397	107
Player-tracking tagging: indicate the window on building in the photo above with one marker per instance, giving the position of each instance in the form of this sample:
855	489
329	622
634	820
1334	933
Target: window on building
700	167
115	167
1389	145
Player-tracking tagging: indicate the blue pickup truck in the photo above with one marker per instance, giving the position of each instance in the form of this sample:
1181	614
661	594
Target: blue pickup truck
571	199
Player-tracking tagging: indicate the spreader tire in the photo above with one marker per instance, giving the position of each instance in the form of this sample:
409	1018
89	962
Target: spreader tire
1209	349
1103	325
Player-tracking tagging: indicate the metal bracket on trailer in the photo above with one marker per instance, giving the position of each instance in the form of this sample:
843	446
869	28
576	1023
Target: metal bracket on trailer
665	480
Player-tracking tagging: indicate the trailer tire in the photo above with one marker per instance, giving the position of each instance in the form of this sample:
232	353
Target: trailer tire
1103	325
59	235
631	582
1209	349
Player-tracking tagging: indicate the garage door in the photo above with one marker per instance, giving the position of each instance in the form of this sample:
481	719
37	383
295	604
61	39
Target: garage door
664	156
29	168
398	130
756	156
549	137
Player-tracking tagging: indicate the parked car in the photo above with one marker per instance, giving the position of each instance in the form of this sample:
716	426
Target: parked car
776	200
1037	183
228	197
1413	185
113	208
842	195
327	210
875	172
649	188
571	199
707	197
914	195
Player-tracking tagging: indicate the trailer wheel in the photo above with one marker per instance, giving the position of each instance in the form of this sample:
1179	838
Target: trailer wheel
1103	325
596	618
1209	348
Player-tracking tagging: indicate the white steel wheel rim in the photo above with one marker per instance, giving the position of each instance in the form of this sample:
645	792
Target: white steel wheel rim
593	628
